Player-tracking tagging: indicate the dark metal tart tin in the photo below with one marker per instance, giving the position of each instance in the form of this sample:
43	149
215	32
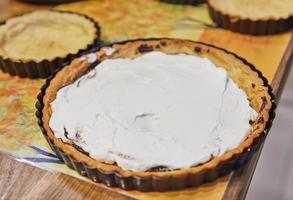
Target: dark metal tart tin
185	2
156	183
44	68
49	1
249	26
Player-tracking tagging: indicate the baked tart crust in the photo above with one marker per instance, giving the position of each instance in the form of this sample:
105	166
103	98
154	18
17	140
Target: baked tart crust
41	59
250	23
242	73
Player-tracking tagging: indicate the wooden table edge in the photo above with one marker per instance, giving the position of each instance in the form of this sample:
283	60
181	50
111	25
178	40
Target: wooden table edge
240	179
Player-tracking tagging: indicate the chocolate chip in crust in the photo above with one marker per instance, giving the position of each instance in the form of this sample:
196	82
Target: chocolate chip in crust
260	120
197	49
264	103
144	48
159	169
163	43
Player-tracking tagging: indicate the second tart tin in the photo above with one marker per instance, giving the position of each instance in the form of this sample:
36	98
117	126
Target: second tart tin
249	26
153	183
45	68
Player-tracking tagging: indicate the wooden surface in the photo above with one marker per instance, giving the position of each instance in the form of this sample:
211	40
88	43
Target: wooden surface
21	181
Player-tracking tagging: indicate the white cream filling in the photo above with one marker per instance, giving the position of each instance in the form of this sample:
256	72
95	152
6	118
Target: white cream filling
90	58
155	110
109	51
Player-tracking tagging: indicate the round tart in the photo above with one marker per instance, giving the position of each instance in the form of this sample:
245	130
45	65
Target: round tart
253	17
35	44
155	114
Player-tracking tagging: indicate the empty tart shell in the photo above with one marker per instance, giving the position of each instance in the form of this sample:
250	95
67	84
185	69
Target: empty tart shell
42	68
244	74
249	25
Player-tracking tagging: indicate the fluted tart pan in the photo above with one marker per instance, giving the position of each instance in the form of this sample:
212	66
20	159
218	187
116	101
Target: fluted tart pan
243	73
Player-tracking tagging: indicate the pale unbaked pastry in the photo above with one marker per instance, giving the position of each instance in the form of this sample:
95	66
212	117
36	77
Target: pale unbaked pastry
45	35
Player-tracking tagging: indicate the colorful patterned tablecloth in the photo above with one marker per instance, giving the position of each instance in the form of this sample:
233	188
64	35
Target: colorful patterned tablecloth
20	136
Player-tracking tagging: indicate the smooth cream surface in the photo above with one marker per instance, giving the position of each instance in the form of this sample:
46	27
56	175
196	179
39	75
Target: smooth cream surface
155	110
